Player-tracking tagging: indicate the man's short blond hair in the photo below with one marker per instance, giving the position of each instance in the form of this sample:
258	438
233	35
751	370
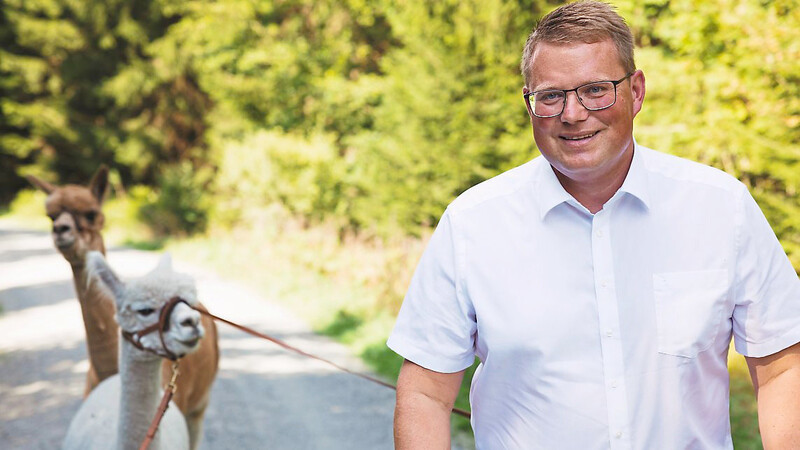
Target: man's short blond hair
582	21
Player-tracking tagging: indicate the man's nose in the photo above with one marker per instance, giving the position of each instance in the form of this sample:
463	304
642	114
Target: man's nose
573	109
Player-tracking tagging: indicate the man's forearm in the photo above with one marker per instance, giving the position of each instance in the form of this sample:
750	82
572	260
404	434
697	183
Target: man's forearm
776	379
779	411
421	422
424	401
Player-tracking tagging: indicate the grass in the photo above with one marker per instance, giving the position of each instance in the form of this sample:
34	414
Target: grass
743	408
150	245
348	288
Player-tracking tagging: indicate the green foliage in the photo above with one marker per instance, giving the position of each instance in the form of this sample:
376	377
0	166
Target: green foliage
28	209
180	205
303	175
71	98
459	122
370	116
343	69
124	224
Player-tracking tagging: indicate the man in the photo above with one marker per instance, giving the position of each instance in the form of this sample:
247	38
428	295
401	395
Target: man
599	284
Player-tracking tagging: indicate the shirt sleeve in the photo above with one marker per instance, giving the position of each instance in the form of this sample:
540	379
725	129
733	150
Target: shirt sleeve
766	316
436	325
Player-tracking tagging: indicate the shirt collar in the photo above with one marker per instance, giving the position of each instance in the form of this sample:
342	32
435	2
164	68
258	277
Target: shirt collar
635	183
552	194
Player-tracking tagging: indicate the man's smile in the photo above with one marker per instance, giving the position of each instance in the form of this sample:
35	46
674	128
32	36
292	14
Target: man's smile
578	136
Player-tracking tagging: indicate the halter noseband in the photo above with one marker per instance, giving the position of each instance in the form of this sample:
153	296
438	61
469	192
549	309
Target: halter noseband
135	337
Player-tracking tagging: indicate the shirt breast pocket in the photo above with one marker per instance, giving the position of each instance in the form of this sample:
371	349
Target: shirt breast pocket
689	308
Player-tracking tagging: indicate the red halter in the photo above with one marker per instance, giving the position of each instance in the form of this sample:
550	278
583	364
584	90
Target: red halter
135	337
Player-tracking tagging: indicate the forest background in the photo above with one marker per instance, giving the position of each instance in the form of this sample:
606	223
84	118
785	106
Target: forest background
310	146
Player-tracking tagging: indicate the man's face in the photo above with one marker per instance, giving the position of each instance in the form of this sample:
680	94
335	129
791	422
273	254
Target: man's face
585	146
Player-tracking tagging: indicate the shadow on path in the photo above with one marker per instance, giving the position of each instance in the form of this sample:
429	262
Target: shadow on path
23	297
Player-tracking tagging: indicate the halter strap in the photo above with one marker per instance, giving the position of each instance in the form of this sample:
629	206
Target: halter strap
135	337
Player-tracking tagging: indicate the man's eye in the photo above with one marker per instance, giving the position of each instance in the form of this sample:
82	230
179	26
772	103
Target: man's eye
596	89
549	97
144	312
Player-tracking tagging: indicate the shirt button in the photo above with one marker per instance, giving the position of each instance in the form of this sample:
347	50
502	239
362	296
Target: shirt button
609	333
604	284
618	435
613	385
599	233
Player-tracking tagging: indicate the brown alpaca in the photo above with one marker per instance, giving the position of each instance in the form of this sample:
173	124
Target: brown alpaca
77	221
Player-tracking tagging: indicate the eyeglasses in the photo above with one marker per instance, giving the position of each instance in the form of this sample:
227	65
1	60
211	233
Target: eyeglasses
593	96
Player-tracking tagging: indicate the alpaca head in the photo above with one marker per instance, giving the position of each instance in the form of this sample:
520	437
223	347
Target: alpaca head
76	215
139	303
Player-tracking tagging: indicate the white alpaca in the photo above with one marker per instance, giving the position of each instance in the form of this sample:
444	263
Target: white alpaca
119	410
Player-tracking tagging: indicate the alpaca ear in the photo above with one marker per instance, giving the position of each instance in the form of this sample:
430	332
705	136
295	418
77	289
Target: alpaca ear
164	264
99	183
99	268
41	184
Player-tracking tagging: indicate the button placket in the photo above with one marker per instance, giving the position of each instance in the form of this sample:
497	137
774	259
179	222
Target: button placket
608	319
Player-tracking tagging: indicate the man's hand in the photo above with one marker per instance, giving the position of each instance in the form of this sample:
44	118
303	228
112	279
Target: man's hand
424	401
776	379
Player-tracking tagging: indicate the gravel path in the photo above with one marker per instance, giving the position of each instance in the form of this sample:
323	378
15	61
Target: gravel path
264	397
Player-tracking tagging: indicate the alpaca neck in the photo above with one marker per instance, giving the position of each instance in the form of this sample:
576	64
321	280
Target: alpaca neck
97	308
140	378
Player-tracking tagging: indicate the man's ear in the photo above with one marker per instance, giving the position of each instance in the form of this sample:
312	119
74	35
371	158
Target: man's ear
99	183
637	91
525	90
41	184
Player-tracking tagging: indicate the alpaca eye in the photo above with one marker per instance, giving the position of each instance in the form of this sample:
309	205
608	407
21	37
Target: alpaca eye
145	311
90	216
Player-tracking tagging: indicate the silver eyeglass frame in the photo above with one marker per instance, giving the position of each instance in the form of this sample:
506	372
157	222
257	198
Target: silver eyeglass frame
528	95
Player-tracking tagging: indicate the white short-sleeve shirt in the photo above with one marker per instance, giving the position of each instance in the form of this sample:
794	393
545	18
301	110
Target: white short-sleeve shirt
600	331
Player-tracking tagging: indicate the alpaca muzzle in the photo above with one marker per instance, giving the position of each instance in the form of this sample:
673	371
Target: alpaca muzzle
162	326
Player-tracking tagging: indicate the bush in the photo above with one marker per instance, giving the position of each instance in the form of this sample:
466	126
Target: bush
123	219
27	208
303	175
180	205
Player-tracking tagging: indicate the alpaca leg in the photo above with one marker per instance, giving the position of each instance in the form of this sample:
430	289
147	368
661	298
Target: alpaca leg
194	422
88	388
92	380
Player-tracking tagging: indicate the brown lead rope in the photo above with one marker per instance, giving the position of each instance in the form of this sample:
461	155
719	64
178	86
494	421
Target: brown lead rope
162	408
460	412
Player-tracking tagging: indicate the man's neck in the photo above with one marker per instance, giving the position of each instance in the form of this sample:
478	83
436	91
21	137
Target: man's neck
594	192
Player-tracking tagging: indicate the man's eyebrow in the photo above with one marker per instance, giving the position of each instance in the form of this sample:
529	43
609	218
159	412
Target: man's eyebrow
545	88
548	87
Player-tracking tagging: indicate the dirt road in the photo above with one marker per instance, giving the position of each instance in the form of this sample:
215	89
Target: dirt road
263	397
